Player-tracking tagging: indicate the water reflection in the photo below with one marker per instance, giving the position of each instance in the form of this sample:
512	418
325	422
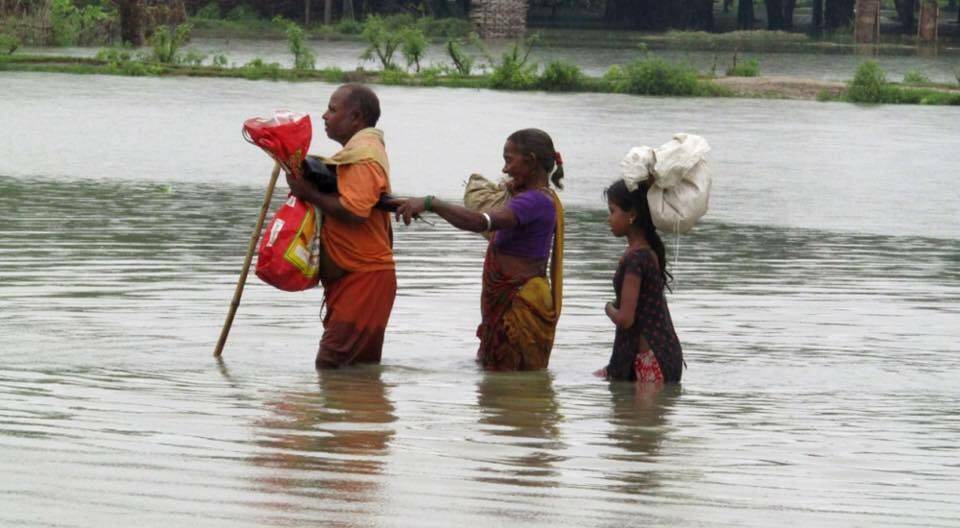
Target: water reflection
639	415
330	444
523	408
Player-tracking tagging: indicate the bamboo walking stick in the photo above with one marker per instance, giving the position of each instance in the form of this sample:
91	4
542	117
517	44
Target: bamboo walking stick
254	237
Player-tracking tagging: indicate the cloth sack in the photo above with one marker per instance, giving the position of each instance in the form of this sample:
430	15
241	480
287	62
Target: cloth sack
483	195
680	193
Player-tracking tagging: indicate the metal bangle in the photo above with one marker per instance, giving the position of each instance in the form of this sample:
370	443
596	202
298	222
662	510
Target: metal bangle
489	221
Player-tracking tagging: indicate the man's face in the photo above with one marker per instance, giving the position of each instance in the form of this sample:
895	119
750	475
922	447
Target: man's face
342	118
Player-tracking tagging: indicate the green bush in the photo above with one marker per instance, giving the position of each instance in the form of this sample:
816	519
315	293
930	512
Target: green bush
446	28
303	57
257	69
868	85
193	58
71	26
462	63
915	77
349	26
210	11
394	76
8	44
414	45
513	72
220	61
747	68
431	76
333	75
561	76
115	55
382	41
166	43
653	76
242	13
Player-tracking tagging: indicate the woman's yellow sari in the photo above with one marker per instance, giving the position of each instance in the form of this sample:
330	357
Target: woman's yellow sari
520	315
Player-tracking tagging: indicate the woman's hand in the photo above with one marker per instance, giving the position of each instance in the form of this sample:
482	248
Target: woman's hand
410	208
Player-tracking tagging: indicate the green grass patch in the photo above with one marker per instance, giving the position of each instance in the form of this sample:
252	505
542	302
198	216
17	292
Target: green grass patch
745	68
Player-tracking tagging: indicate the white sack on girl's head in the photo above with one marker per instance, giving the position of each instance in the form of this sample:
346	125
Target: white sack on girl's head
637	166
680	192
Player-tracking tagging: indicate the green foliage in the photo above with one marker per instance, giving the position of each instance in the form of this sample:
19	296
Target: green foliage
210	11
560	76
414	46
220	61
915	77
462	63
382	41
71	26
349	26
193	58
513	72
257	69
8	44
166	43
333	75
747	68
303	57
115	55
394	76
868	84
431	76
653	76
242	13
445	28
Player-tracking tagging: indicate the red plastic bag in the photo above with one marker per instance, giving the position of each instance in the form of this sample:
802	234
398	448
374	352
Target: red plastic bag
285	137
289	253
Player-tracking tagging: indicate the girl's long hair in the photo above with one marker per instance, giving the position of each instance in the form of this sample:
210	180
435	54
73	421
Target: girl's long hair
636	201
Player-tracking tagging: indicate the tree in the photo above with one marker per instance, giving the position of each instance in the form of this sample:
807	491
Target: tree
906	13
774	14
816	26
745	17
837	14
788	7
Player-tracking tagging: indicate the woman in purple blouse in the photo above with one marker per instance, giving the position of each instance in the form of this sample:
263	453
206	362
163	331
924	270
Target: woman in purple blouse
520	306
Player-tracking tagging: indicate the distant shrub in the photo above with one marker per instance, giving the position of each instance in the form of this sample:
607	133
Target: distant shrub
653	76
303	57
8	44
445	27
561	76
868	84
333	75
242	13
211	11
349	26
513	72
915	77
431	76
413	46
220	61
382	41
746	68
257	69
166	43
193	58
394	76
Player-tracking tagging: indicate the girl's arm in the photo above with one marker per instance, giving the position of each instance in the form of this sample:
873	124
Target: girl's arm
624	315
458	216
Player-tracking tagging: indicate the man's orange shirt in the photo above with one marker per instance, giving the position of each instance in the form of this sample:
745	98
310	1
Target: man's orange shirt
366	246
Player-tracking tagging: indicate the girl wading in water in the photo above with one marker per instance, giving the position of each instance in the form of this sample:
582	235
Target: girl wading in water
520	306
646	348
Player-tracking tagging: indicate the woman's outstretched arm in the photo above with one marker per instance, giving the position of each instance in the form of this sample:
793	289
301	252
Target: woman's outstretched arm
457	215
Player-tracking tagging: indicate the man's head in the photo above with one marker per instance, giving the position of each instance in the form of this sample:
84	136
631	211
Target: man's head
352	108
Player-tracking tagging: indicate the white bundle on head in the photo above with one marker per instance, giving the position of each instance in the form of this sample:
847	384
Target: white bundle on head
680	192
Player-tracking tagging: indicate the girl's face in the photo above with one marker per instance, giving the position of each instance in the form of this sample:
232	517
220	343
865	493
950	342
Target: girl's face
619	220
515	165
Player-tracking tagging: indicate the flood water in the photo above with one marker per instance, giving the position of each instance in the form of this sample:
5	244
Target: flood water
839	65
818	304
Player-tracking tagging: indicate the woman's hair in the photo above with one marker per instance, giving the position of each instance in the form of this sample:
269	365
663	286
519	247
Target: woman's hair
537	142
636	201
